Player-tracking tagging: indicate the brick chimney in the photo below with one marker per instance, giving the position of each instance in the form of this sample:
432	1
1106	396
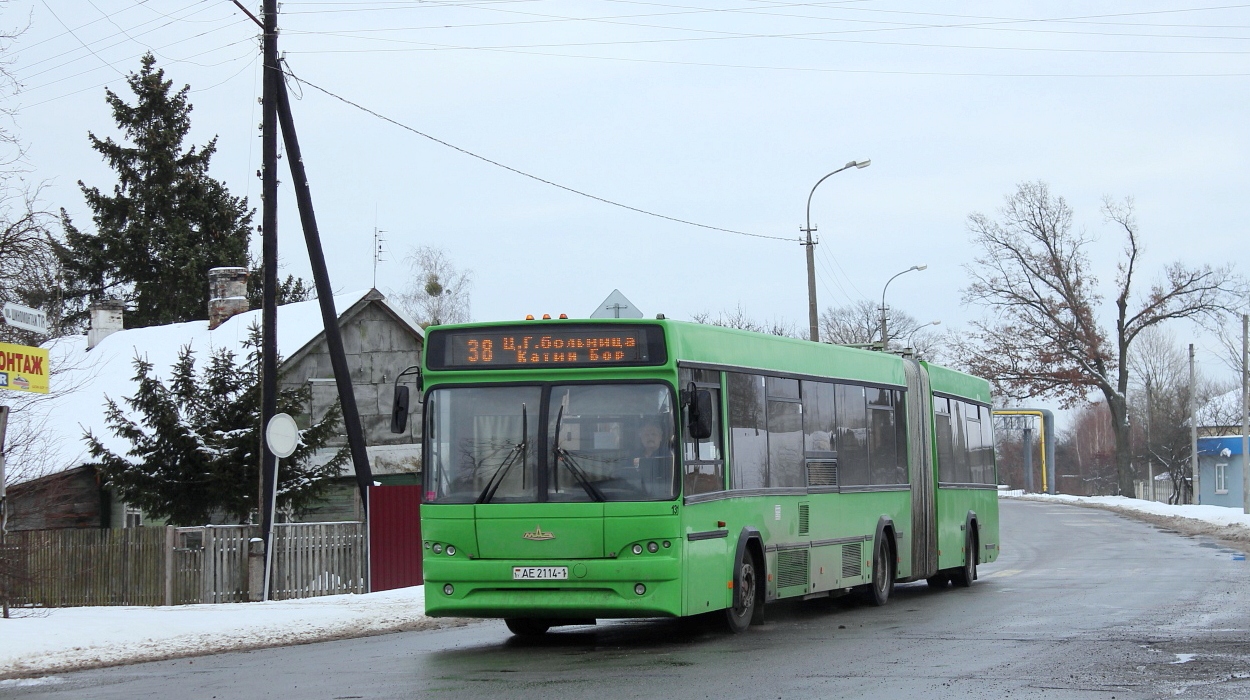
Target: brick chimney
227	294
106	319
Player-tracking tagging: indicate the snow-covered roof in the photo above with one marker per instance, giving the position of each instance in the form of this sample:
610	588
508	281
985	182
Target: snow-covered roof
81	379
1222	410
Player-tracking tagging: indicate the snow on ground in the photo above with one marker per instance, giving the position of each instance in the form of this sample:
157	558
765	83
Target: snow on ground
1211	515
47	640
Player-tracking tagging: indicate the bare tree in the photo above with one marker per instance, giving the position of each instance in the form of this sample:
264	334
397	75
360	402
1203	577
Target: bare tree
737	318
1159	403
1228	331
438	291
1044	337
859	323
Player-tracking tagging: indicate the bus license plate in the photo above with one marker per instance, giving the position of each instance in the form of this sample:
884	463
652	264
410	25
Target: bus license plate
539	573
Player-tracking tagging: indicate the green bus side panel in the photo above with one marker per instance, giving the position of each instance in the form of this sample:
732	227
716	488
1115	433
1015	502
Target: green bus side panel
953	507
814	566
948	381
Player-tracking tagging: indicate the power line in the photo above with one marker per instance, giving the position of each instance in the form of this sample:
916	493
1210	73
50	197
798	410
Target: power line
84	45
806	69
536	178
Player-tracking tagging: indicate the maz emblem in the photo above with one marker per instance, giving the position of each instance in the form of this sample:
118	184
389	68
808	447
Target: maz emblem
538	534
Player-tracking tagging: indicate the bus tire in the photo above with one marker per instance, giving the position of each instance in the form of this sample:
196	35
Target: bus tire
527	626
882	573
738	616
966	574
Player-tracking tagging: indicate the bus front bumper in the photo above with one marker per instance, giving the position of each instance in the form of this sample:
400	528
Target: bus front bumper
595	588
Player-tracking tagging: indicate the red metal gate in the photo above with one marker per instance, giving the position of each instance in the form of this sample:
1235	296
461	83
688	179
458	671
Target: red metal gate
394	537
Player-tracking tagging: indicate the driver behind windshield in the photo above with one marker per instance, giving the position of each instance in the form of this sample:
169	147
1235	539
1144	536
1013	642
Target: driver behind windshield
655	458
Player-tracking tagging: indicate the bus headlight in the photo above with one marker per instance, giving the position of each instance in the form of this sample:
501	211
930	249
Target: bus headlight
640	589
448	590
438	548
637	549
451	550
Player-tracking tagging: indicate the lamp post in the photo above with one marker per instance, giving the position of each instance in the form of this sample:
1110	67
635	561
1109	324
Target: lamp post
912	335
812	319
885	338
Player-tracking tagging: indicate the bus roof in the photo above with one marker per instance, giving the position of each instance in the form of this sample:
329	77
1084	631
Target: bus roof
730	347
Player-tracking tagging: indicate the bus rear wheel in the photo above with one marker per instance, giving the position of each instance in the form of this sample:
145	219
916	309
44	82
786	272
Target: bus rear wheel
746	584
965	575
882	574
527	626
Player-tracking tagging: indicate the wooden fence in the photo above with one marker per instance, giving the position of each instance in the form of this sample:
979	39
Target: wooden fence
61	568
313	559
174	566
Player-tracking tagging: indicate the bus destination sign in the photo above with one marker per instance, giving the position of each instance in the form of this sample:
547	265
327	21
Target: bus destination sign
546	346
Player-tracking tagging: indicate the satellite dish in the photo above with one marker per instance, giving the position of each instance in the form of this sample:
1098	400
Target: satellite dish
282	435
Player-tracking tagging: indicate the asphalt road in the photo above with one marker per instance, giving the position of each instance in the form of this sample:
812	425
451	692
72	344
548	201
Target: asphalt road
1081	604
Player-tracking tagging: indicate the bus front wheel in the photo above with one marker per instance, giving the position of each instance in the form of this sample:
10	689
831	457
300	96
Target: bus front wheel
746	583
527	626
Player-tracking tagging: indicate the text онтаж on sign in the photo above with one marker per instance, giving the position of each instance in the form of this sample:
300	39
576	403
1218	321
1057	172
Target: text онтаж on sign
23	368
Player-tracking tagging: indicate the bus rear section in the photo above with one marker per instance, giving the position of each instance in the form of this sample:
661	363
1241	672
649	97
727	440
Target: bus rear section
552	501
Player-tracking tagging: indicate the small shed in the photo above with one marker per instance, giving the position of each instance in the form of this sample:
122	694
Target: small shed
1221	468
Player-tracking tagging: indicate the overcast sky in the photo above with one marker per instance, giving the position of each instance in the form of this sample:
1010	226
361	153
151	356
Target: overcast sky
721	112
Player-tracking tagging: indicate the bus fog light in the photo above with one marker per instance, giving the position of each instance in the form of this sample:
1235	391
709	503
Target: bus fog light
438	548
653	547
448	590
639	588
451	550
637	549
667	544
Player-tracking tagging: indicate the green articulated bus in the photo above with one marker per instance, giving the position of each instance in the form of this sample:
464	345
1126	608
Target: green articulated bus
579	470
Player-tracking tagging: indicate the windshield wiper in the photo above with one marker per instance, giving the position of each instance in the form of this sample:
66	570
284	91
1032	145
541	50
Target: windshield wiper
518	450
582	479
569	462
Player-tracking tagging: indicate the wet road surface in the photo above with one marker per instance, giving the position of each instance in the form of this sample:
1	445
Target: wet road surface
1082	603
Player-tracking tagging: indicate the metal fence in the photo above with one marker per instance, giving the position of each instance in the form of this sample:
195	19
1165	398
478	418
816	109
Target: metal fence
175	566
1161	491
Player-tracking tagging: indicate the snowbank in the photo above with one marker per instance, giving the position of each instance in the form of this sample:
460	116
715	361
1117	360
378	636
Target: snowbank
60	639
1210	515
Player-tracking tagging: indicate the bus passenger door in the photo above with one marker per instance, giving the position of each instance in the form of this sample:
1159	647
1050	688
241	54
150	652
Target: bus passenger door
708	549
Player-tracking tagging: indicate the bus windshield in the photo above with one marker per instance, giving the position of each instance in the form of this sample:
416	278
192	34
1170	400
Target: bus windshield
602	442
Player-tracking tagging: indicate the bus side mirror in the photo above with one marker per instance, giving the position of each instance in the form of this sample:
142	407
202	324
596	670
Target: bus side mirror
700	415
399	410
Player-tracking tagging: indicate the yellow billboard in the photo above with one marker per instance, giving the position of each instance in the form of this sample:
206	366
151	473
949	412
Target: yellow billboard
23	368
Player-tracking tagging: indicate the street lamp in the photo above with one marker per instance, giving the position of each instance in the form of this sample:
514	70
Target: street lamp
911	336
885	338
812	320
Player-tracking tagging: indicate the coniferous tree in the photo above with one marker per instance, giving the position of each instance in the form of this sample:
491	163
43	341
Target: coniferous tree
194	446
166	222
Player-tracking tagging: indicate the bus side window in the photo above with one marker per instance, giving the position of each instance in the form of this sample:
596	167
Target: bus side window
852	411
703	460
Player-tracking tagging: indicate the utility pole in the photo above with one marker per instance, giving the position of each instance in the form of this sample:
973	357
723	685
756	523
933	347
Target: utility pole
269	258
6	575
325	299
1245	412
1193	429
813	320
